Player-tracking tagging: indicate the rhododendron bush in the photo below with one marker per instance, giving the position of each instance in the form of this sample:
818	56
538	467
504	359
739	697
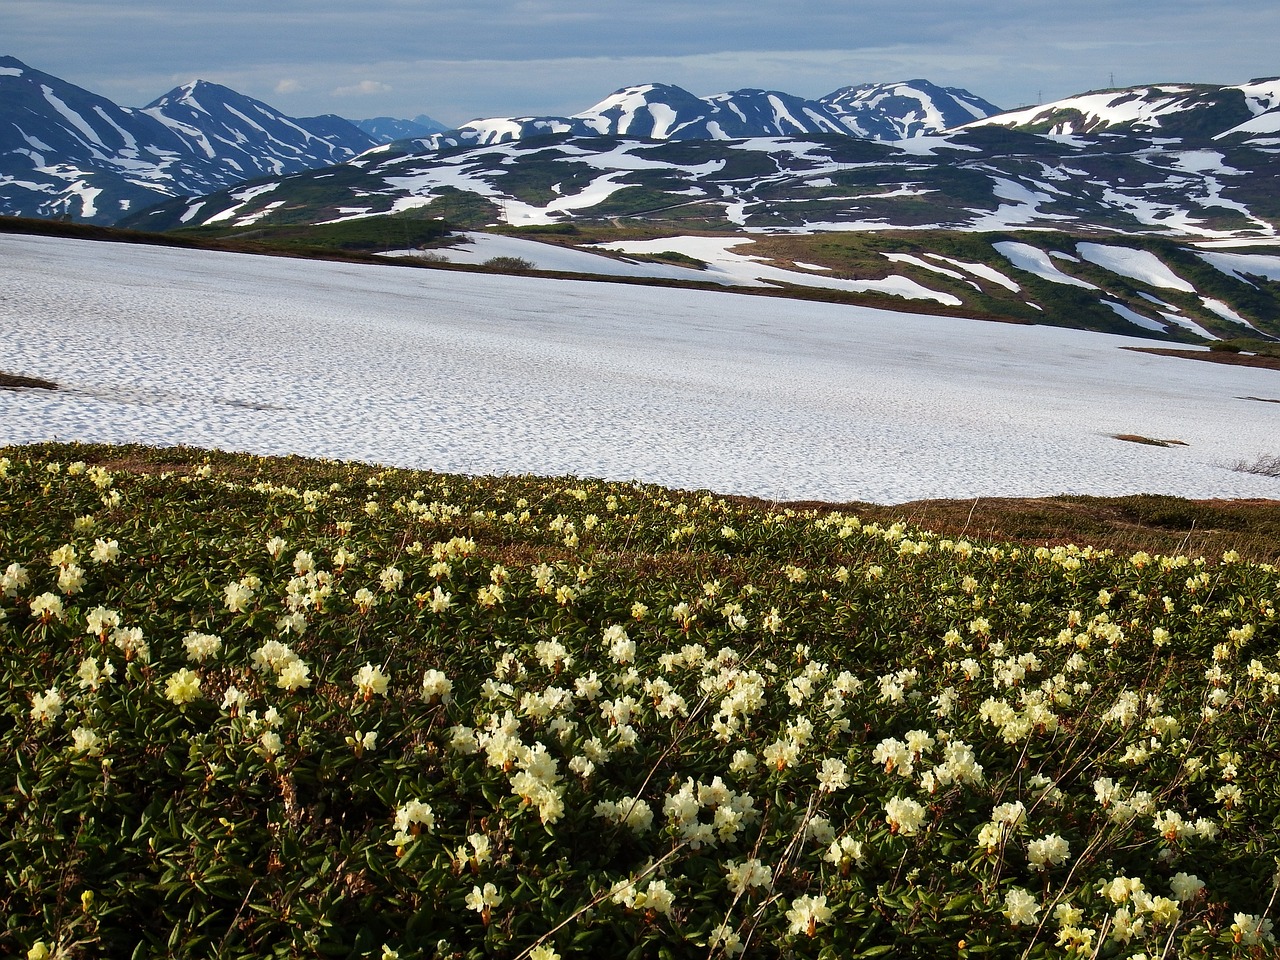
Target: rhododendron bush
291	708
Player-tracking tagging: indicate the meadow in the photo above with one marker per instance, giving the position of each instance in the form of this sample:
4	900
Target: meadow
300	708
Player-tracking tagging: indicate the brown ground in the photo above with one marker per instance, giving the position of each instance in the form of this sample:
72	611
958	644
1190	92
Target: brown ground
12	381
1215	356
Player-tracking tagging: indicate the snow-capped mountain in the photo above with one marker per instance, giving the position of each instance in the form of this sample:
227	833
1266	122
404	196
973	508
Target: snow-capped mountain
896	111
658	111
389	129
1201	111
65	151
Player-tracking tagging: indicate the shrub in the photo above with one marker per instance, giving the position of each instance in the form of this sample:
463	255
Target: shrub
509	264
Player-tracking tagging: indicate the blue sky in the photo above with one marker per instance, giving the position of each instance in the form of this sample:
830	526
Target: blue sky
456	61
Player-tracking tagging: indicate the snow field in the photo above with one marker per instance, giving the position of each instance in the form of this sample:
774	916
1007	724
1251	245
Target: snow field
693	389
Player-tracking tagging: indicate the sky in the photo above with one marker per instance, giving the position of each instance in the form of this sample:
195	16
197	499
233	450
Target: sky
487	58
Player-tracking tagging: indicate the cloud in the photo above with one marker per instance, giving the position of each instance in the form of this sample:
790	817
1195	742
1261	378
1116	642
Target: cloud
289	85
365	88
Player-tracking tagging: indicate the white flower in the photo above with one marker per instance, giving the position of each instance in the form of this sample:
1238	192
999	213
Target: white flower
806	913
91	675
86	740
1020	906
46	707
13	579
1250	930
482	899
741	877
237	596
370	681
201	646
1050	850
833	776
655	897
104	551
622	649
47	606
904	815
1185	886
436	687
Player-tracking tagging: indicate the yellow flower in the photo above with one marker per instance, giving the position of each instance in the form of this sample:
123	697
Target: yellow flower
183	687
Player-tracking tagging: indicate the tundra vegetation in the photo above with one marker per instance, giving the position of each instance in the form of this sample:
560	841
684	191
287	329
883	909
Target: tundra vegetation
289	708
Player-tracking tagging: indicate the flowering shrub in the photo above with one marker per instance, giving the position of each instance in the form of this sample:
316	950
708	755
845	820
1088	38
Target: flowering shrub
285	708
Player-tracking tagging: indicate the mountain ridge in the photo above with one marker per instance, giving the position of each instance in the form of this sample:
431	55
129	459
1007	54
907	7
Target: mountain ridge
68	152
660	111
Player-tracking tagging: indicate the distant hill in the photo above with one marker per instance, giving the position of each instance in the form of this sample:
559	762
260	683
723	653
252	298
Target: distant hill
658	111
388	129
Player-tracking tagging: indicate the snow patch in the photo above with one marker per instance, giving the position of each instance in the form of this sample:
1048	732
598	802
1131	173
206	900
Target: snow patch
1242	266
1034	260
1225	312
1135	264
1146	323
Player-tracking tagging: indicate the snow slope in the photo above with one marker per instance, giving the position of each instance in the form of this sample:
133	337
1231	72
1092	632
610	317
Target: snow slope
498	374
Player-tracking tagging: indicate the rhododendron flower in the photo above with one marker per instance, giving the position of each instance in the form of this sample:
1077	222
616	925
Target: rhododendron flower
655	897
436	687
100	621
237	596
726	938
370	681
1249	930
234	700
13	579
86	740
413	818
844	852
46	707
833	776
740	877
360	741
71	579
64	556
91	675
47	606
201	646
1185	886
1020	906
104	551
295	675
1050	850
806	912
904	815
483	900
183	687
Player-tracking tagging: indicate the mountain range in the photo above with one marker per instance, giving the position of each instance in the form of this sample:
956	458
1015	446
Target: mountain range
1096	203
658	111
67	152
1185	161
